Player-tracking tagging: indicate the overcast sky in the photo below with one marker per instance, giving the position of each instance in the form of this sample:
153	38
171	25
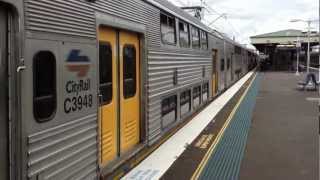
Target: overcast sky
252	17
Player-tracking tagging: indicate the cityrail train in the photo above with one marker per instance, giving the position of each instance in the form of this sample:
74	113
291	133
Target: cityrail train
87	84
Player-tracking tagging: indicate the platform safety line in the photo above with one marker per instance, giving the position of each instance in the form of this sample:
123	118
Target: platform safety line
213	146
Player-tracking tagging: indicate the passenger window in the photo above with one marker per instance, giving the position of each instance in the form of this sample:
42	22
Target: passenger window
185	97
168	111
238	50
129	71
195	38
228	63
196	92
168	105
168	29
184	34
204	40
185	101
205	88
222	65
105	67
44	86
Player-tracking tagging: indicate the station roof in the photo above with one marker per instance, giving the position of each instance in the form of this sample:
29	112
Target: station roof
283	33
288	36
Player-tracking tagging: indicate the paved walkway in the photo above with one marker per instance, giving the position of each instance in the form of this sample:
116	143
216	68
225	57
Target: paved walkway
283	140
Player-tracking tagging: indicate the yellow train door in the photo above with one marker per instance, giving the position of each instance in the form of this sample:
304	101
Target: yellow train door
214	72
129	90
108	94
119	70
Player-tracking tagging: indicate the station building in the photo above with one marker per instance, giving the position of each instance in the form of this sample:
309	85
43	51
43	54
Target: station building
280	49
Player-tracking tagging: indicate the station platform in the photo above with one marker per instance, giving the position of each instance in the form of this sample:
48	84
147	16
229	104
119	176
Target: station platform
260	128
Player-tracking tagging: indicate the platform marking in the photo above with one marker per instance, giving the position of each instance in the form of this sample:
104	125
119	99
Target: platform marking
220	135
204	141
162	158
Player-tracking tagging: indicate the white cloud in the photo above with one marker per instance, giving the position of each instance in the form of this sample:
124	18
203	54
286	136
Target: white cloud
251	17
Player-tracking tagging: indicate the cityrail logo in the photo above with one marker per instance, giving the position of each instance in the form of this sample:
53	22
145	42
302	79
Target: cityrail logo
78	63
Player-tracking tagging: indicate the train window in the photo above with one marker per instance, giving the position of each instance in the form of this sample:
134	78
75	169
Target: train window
184	34
195	38
169	104
168	29
237	50
44	86
185	102
196	92
129	71
196	96
169	110
228	63
222	65
205	88
105	67
205	91
204	40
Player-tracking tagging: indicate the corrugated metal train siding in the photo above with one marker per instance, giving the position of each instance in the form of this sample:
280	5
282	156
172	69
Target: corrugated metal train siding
68	151
162	64
77	17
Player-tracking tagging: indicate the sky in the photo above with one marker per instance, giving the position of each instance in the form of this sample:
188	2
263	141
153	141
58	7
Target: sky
246	18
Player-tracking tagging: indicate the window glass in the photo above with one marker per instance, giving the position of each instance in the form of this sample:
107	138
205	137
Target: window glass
204	40
168	30
196	92
222	65
184	34
105	67
129	71
205	91
195	37
237	50
205	88
168	105
185	97
228	63
44	86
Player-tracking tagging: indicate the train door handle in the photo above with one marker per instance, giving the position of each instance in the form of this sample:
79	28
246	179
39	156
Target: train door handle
100	97
21	68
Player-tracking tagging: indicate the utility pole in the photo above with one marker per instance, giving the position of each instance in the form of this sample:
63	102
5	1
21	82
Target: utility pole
308	58
319	56
319	63
298	55
309	34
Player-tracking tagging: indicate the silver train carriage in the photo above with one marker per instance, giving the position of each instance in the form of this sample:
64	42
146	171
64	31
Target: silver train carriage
85	84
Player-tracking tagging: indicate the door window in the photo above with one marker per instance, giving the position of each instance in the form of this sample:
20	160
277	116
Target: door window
129	71
105	67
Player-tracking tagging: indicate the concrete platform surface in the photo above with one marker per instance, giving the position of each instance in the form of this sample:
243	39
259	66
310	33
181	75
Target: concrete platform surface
283	139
